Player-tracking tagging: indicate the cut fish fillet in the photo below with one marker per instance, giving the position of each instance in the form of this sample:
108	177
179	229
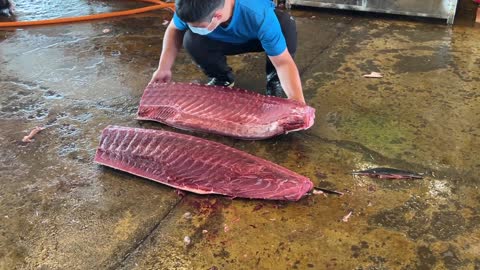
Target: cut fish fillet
222	110
197	165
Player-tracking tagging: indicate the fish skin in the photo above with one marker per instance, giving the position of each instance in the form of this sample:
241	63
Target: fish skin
388	173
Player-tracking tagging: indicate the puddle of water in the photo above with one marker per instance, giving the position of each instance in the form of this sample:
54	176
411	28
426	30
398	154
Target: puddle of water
27	10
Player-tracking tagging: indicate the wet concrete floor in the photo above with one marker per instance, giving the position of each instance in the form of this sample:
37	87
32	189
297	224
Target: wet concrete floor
59	210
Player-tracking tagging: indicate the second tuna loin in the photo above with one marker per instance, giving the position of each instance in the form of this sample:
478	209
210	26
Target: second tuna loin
222	110
197	165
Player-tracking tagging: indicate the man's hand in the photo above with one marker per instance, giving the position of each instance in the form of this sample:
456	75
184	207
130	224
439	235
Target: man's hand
161	76
172	42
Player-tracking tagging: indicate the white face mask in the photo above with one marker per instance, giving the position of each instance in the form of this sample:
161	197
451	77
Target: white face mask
202	30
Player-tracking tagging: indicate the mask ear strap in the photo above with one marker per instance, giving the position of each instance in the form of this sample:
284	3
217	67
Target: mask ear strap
211	22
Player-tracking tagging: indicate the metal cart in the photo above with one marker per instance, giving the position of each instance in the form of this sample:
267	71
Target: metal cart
443	9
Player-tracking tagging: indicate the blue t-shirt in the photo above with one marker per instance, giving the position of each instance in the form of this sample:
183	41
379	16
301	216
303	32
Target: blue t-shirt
251	19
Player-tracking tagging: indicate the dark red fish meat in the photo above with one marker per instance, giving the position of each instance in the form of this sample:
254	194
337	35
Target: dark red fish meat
221	110
197	165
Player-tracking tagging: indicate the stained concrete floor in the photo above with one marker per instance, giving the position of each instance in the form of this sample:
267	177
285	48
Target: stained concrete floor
59	210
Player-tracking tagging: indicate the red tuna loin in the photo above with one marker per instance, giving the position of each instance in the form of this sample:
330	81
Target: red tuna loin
222	110
197	165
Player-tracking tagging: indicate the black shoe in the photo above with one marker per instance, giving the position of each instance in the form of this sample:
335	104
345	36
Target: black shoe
274	87
220	82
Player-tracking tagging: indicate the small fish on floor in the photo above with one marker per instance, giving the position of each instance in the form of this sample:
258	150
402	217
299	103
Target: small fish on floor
388	173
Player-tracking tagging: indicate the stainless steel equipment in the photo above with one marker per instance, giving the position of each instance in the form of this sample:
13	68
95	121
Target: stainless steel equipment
443	9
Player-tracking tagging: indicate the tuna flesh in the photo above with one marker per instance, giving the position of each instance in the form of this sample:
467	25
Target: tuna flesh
232	112
197	165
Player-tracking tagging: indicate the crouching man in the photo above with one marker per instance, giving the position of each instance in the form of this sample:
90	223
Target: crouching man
212	29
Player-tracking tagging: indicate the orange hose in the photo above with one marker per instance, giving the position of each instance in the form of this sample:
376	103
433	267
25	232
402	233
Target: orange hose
158	5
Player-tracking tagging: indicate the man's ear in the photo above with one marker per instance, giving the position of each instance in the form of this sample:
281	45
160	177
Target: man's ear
218	15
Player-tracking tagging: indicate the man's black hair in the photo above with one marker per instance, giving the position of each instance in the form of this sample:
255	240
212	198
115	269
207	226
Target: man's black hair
197	10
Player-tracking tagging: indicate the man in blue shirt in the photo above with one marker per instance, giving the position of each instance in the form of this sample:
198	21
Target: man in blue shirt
211	29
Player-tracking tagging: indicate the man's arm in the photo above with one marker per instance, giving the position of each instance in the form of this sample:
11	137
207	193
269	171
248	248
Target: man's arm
172	43
288	74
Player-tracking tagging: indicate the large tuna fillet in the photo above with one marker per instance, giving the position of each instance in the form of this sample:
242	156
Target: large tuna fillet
197	165
222	110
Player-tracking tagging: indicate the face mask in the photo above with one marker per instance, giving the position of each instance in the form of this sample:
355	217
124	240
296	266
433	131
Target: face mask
202	30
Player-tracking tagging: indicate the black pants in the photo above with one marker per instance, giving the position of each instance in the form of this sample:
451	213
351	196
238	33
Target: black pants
210	54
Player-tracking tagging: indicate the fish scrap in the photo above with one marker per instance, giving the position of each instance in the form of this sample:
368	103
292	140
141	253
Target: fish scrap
29	137
318	190
347	217
373	75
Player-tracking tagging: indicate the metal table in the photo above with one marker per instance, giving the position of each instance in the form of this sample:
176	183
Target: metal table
443	9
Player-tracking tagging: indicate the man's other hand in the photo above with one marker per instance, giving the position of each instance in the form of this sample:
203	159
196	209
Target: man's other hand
161	76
